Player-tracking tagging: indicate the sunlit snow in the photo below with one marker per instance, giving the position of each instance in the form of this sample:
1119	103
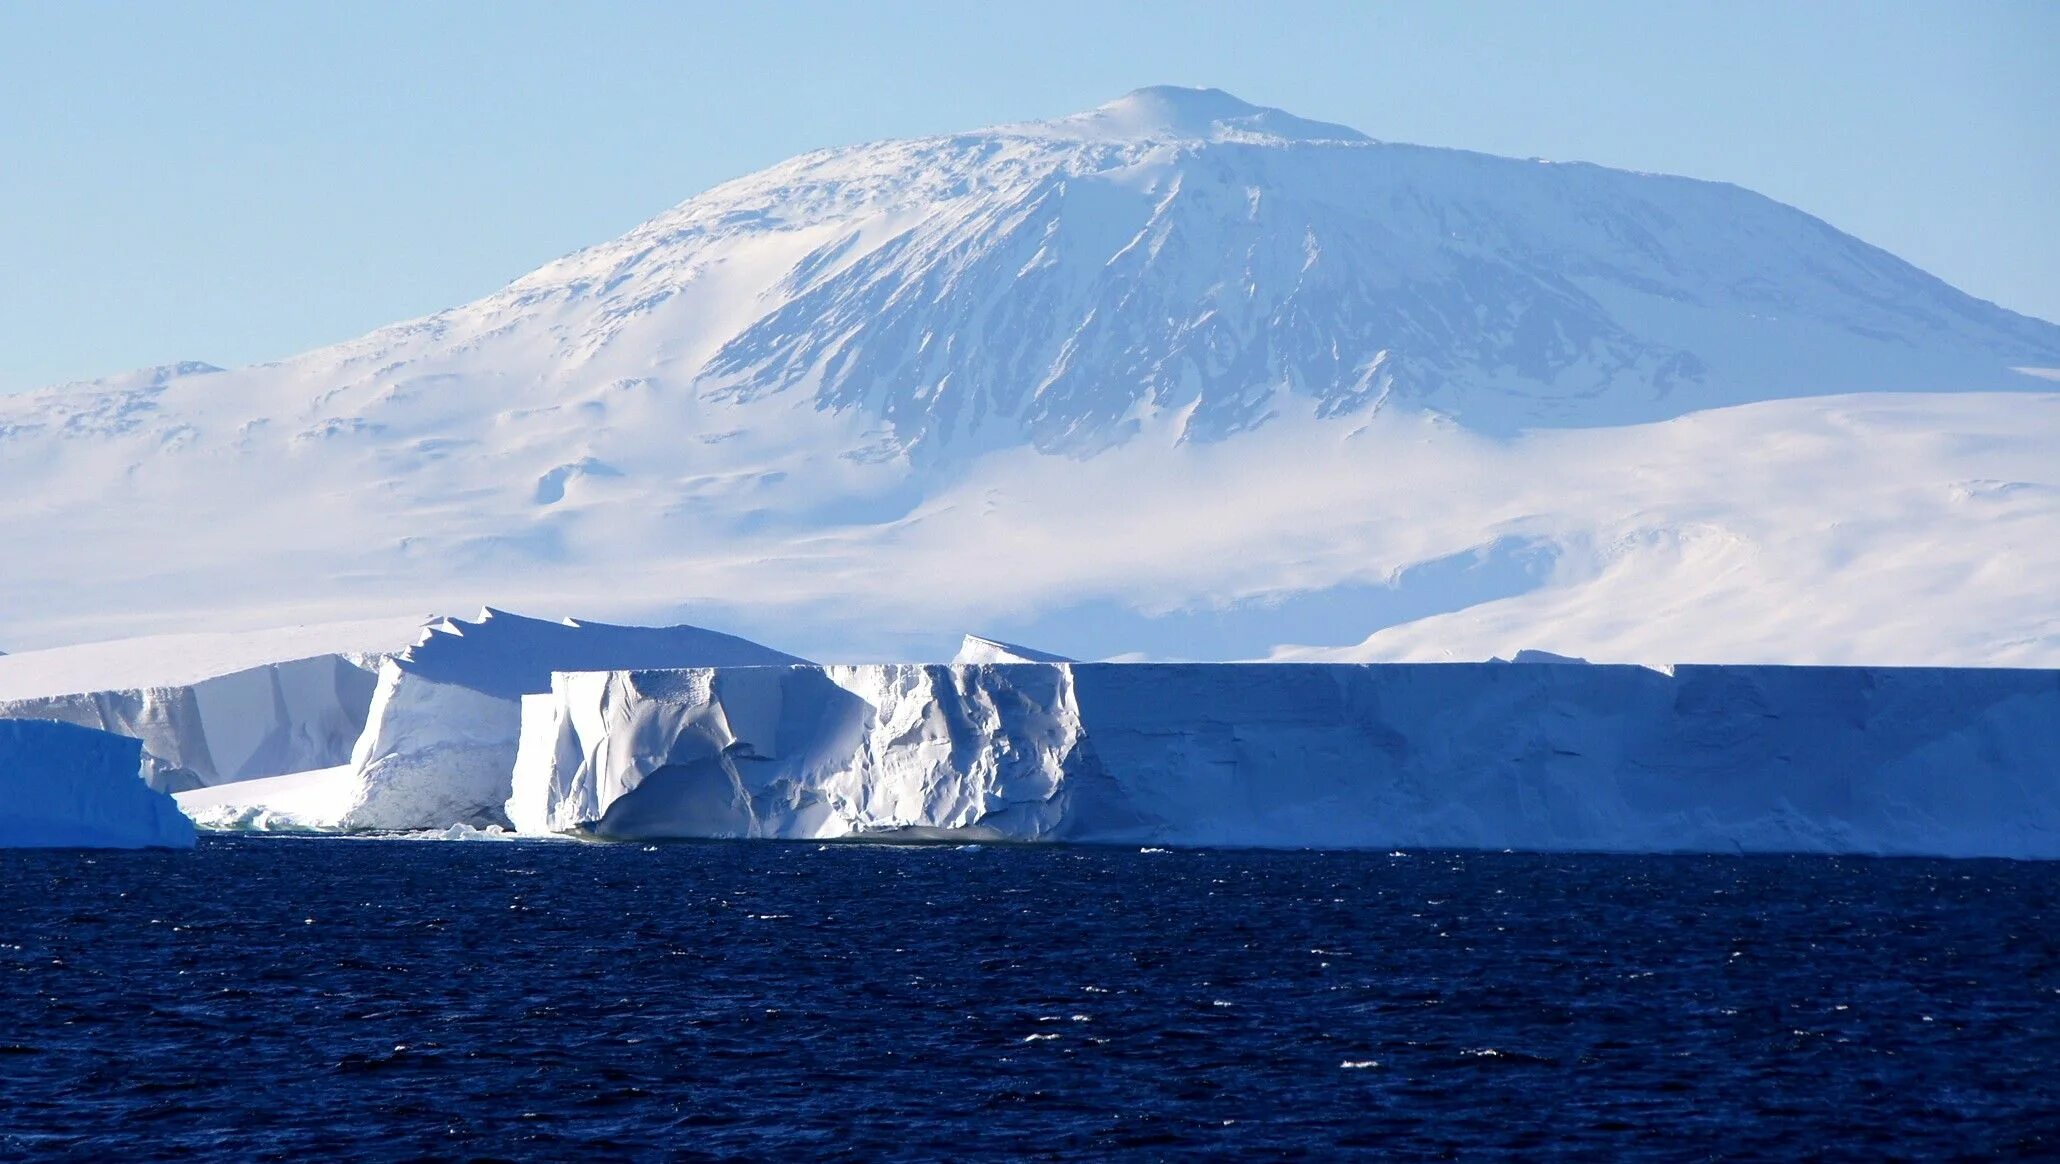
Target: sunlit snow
1223	379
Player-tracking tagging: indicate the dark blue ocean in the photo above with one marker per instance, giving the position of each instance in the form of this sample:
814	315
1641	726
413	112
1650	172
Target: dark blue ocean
278	998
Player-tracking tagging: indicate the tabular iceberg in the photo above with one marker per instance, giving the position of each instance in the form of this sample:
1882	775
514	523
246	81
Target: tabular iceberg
216	707
256	722
65	786
441	737
1548	756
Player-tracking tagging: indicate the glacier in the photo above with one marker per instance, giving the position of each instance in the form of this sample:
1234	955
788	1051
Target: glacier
1544	756
65	786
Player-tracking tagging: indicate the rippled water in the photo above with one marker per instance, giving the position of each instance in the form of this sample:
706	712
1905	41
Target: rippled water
392	999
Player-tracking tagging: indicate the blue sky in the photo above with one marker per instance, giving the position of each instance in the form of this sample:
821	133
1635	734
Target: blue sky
239	182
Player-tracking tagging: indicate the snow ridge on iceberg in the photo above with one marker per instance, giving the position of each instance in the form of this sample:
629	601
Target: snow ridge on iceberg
975	649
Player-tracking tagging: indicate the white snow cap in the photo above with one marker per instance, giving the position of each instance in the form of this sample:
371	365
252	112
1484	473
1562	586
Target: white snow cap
975	649
1173	112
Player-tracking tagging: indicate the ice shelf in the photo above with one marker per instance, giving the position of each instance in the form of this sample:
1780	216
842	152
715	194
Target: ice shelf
1547	756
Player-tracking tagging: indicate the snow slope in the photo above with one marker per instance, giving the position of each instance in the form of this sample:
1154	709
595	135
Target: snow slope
861	394
63	786
310	801
1540	757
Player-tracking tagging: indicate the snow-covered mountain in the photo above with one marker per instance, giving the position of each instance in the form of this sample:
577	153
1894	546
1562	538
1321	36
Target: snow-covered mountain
1179	375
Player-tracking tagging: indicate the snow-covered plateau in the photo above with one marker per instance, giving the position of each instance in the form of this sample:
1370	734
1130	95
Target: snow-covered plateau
70	787
1540	756
1177	377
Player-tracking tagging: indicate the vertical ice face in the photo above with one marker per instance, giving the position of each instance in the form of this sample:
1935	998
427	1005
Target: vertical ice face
808	752
1547	756
65	786
445	727
244	725
537	799
432	754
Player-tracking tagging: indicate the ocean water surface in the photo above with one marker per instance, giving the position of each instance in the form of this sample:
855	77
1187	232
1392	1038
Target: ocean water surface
267	997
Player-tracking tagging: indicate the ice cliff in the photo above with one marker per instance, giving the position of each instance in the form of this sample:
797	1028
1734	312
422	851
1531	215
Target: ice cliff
441	735
1548	756
64	786
250	723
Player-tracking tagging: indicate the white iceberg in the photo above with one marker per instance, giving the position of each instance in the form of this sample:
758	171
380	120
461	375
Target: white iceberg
975	649
264	721
214	708
1955	762
65	786
441	737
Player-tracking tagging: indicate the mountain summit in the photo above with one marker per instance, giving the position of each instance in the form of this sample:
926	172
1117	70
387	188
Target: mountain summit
1179	251
788	388
1174	113
1183	252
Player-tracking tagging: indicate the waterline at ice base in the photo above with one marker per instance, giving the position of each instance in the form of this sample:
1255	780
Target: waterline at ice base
507	725
1551	756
